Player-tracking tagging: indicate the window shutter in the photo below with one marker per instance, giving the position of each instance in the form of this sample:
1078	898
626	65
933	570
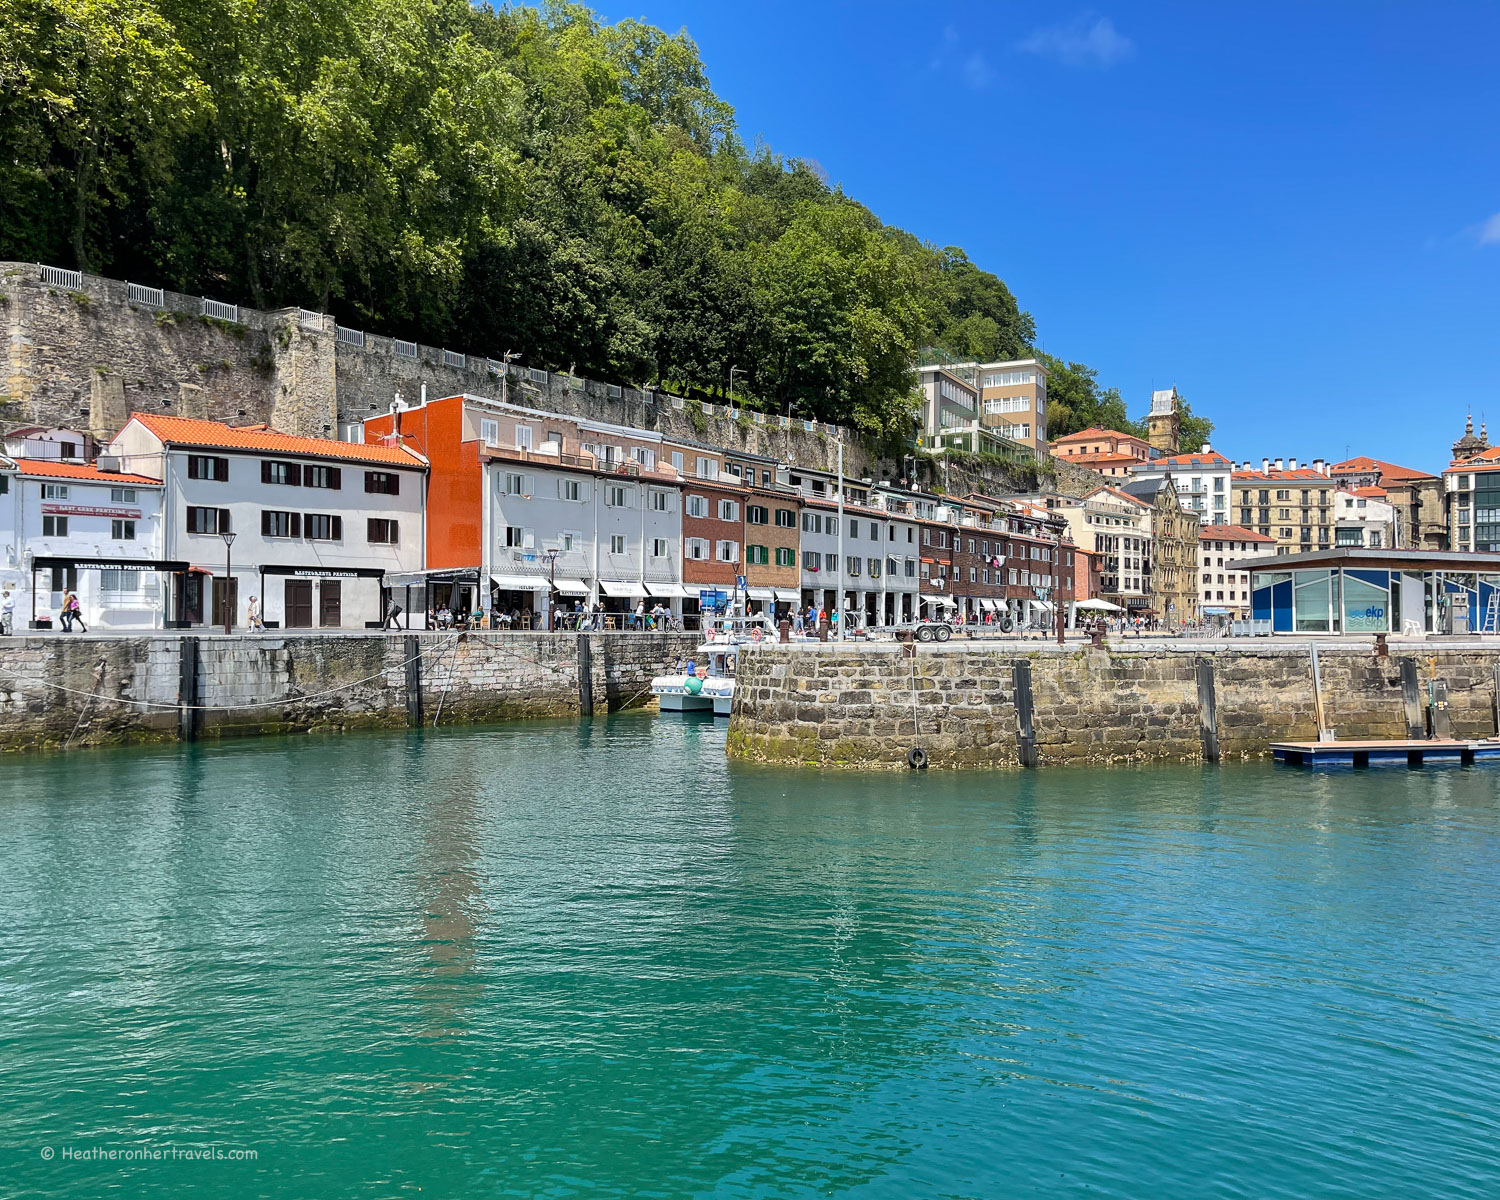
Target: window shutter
528	540
336	477
338	529
528	484
265	470
562	489
296	529
265	523
224	520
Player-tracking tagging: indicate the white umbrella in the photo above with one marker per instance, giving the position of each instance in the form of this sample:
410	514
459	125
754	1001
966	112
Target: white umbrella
1098	606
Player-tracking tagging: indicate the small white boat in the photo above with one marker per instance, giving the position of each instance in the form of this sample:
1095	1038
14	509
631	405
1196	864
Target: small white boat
710	687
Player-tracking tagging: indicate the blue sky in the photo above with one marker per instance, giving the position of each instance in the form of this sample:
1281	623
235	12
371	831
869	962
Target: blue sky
1291	211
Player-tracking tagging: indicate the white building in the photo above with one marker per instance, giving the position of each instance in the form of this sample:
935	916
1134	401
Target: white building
1116	529
1223	582
1364	518
70	526
592	509
314	524
1201	479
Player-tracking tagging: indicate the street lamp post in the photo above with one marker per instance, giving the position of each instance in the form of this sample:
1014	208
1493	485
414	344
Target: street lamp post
551	557
731	385
228	582
505	374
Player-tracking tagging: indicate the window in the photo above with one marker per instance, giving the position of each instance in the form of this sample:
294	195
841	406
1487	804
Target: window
54	526
570	489
122	531
786	556
811	560
659	548
382	483
323	527
874	532
696	549
489	431
854	565
569	541
617	543
323	477
786	518
64	579
911	567
661	501
122	495
207	520
853	528
279	524
708	468
757	556
729	510
615	496
515	537
812	523
728	552
523	437
874	568
757	514
516	484
677	461
54	491
381	532
208	466
119	583
647	458
281	472
697	506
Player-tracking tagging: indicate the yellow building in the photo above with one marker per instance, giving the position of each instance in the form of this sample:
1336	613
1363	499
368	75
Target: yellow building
1174	562
1292	505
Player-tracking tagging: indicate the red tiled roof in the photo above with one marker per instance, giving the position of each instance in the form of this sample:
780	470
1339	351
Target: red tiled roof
1370	493
188	431
1274	475
1196	459
1388	471
63	470
1485	459
1231	533
1090	459
1092	432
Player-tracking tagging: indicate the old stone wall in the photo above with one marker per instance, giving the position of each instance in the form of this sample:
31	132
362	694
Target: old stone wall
868	706
87	357
100	690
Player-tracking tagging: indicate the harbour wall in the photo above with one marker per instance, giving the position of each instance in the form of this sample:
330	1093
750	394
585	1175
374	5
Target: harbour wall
832	706
81	691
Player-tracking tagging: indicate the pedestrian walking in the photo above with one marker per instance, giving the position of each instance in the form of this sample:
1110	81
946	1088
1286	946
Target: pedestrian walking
252	616
7	612
393	613
72	613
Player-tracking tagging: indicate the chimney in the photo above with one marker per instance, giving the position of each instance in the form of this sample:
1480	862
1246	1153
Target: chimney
1278	465
1320	466
1265	464
1291	464
1207	449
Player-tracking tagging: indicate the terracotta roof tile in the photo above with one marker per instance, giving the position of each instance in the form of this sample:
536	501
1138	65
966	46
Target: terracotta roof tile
188	431
63	470
1231	533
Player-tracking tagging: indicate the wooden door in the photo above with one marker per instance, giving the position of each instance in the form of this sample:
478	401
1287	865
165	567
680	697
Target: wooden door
218	603
329	604
299	604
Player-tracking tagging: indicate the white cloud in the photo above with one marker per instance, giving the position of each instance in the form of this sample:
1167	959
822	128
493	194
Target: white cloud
1088	40
1489	231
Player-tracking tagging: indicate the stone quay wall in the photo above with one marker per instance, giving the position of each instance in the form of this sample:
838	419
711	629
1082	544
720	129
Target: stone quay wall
832	706
63	692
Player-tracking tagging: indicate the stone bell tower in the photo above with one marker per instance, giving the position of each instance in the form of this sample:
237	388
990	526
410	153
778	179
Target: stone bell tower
1163	424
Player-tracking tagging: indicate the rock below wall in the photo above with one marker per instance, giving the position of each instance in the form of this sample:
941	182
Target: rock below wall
869	706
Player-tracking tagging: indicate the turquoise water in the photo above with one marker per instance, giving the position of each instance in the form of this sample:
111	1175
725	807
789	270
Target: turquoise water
553	960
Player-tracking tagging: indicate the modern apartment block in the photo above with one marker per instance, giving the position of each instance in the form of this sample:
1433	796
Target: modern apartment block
995	407
1290	504
1013	401
1472	490
1202	480
1223	580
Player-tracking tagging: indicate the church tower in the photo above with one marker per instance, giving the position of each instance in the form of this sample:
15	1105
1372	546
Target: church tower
1469	445
1163	424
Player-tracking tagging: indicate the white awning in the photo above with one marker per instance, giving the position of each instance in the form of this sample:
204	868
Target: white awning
621	590
519	583
761	593
940	601
789	595
668	591
987	605
573	587
1044	605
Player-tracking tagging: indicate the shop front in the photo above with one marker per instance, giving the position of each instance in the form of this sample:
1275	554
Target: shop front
322	597
113	593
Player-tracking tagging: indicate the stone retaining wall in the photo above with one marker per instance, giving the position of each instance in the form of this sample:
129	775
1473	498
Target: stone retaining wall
868	706
87	690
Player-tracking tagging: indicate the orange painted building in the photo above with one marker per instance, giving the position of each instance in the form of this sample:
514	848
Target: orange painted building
455	481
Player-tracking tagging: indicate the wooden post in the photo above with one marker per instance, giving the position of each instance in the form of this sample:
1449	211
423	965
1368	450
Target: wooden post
413	653
1025	733
585	676
1411	698
1208	712
189	690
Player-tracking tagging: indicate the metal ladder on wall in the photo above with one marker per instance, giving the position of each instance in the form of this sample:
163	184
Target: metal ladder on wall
1491	622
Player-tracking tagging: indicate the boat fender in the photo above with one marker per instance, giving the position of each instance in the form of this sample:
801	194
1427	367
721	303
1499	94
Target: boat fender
916	758
693	685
